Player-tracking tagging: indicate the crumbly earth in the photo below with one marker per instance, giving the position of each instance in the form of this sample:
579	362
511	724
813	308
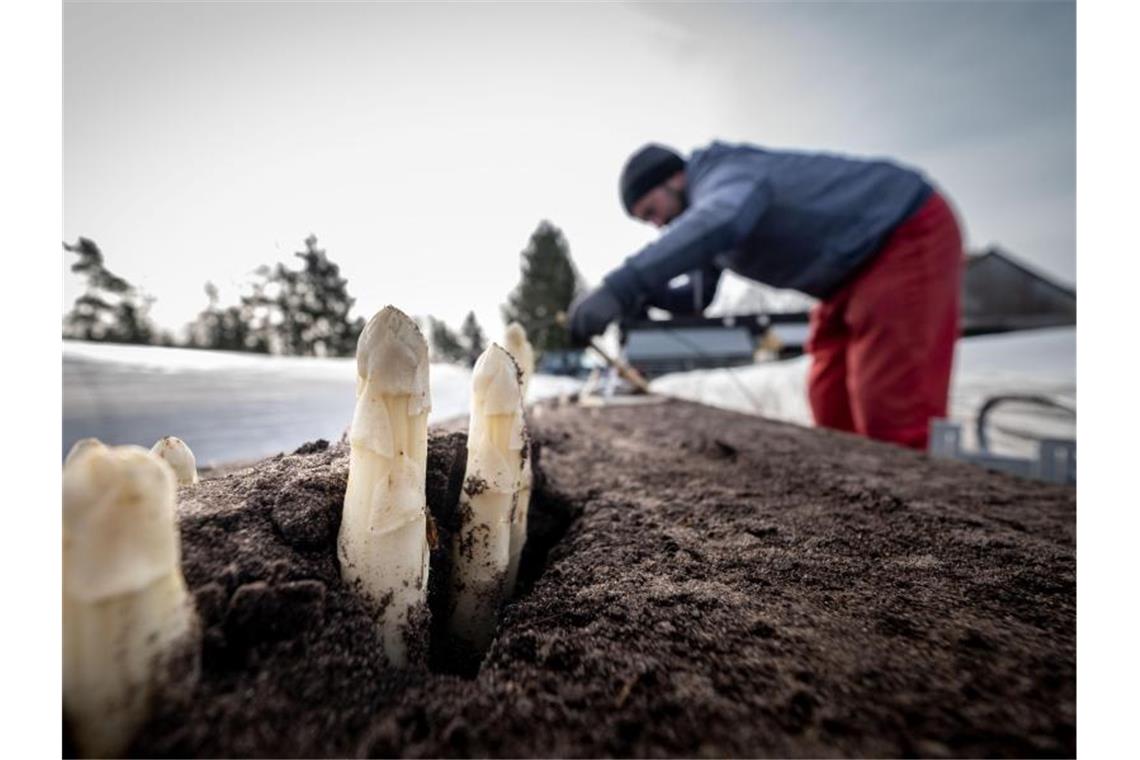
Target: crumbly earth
696	583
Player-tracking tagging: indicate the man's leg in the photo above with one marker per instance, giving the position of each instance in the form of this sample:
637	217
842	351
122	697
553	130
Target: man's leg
904	321
827	379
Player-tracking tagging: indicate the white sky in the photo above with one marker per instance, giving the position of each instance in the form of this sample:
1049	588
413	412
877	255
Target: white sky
423	143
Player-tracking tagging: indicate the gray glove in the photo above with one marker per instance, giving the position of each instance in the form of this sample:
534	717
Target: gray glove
591	313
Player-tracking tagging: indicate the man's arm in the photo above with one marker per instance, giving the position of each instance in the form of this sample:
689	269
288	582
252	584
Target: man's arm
693	297
725	209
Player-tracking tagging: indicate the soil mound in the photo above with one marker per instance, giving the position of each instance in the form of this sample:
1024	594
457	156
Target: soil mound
696	583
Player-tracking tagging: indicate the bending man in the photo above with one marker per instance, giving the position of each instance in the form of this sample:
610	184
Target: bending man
873	241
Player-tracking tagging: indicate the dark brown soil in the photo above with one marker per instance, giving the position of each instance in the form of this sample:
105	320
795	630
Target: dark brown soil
713	585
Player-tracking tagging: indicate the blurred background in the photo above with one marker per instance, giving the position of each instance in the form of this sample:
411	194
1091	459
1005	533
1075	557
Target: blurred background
246	183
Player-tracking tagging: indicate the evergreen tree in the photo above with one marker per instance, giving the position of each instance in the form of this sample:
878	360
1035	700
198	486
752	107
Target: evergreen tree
110	309
305	312
204	331
261	311
548	283
228	329
445	344
237	332
474	342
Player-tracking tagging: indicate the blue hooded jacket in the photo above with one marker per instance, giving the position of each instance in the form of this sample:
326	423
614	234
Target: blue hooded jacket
804	221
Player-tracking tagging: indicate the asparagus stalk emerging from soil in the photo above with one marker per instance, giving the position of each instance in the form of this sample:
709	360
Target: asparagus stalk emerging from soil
514	340
178	455
495	450
130	633
383	533
79	447
523	353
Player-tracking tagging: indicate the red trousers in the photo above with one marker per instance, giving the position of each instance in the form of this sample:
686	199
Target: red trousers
882	347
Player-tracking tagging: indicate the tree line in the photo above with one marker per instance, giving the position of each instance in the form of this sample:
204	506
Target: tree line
302	308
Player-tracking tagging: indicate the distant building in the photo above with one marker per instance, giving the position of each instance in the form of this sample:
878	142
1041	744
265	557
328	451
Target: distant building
657	352
1000	294
657	347
568	362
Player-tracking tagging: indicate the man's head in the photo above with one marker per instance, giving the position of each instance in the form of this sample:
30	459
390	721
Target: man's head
653	185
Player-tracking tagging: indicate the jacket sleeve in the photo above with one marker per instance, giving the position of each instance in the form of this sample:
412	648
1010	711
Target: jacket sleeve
726	206
683	298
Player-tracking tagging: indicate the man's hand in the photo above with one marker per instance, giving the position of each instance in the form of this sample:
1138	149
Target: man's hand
591	313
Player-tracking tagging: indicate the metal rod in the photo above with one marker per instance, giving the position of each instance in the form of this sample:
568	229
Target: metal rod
634	377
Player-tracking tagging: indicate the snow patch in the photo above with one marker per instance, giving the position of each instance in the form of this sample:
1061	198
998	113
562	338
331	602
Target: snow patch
1037	362
231	406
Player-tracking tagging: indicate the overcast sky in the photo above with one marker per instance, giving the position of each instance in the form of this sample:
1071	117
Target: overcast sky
423	143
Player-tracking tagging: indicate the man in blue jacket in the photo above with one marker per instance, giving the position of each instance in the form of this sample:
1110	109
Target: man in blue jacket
874	241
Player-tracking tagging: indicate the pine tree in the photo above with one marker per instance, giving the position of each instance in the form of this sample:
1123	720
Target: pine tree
305	312
228	329
548	283
205	330
445	343
474	341
111	309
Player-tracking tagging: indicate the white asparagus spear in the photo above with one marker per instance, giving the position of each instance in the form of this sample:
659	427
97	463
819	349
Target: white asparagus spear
519	514
523	353
130	632
490	494
80	446
514	340
383	532
178	455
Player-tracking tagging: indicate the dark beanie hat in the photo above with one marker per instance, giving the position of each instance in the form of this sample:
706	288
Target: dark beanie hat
651	165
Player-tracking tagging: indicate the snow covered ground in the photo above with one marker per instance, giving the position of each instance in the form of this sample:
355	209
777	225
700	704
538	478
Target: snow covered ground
1037	362
230	406
233	406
